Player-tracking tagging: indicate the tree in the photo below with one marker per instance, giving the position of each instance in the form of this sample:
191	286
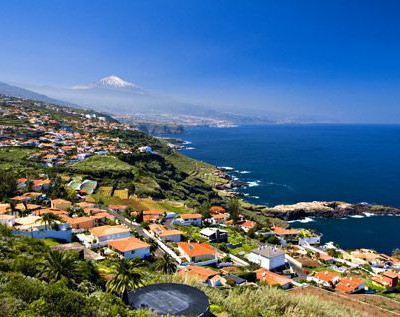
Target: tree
126	278
234	208
49	219
165	264
8	184
396	253
58	265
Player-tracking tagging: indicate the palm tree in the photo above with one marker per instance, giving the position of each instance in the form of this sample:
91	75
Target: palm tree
58	265
165	264
126	278
49	219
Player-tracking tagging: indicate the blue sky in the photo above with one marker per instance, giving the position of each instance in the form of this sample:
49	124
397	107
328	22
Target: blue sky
334	59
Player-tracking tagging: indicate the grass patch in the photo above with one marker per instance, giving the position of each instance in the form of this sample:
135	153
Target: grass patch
102	163
50	242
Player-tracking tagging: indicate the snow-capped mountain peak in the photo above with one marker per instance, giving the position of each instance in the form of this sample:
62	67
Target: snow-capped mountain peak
115	82
112	81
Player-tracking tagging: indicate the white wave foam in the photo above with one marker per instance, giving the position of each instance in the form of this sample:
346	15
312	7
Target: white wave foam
244	172
305	220
357	216
369	214
228	168
253	184
187	142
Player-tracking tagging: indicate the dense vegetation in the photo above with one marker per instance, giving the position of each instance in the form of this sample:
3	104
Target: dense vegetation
35	281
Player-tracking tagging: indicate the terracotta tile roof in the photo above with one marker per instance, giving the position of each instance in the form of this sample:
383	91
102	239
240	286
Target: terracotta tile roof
247	224
217	210
282	231
79	220
272	278
21	206
117	207
150	218
85	204
60	201
50	210
4	208
325	257
162	231
108	230
196	249
38	182
197	272
219	216
191	216
128	244
102	215
93	210
348	284
390	274
326	276
152	212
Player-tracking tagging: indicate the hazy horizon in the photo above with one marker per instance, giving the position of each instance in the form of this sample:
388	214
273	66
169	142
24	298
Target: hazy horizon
335	60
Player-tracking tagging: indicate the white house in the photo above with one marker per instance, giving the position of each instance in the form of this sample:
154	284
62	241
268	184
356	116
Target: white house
145	149
268	257
197	252
189	220
100	235
7	220
163	233
215	234
130	248
325	278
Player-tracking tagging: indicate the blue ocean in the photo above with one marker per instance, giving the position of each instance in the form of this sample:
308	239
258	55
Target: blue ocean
285	164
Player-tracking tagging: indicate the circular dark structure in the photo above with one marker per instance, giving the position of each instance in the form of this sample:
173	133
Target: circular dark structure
170	299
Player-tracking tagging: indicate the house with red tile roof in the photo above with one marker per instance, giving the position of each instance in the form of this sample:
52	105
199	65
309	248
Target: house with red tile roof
325	278
7	220
4	208
246	225
284	233
388	279
58	212
130	247
350	285
163	233
273	279
189	220
40	184
118	208
81	223
62	204
198	273
197	252
103	234
218	219
217	210
152	215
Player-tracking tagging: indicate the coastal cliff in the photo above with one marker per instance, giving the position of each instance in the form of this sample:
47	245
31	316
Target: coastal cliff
327	209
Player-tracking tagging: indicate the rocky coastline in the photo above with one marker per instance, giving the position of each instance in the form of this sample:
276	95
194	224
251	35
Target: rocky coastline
333	209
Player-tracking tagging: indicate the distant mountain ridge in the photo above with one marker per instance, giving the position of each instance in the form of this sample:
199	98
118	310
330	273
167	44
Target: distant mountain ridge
116	96
11	90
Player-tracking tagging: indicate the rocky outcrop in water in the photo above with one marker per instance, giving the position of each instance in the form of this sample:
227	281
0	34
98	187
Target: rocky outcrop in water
326	209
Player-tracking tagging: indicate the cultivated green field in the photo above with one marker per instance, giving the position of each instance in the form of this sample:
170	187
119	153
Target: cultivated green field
102	163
